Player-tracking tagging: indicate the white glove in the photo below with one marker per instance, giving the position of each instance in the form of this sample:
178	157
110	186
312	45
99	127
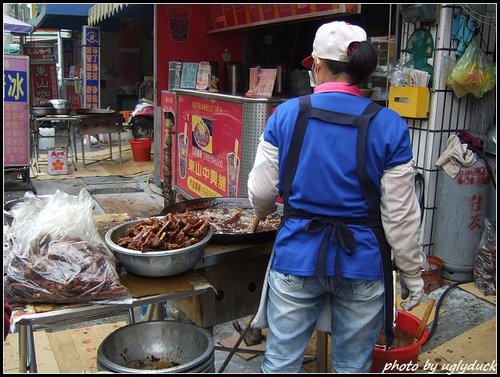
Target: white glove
412	285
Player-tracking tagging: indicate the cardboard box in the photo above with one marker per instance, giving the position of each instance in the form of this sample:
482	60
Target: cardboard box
410	101
58	161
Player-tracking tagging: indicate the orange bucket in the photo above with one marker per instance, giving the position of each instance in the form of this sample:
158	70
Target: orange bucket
404	359
141	149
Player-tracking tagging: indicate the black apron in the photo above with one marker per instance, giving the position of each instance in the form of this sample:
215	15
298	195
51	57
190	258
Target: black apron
336	226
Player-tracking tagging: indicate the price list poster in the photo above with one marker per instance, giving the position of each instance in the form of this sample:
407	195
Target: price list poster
16	129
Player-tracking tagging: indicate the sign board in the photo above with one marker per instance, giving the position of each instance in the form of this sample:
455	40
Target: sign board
91	67
189	75
203	76
43	71
40	51
219	17
207	146
43	81
16	127
261	82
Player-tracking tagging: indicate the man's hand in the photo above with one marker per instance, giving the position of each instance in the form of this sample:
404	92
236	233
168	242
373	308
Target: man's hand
412	285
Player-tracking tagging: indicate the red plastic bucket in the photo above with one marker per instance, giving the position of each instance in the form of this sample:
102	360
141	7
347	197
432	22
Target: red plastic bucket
141	149
404	359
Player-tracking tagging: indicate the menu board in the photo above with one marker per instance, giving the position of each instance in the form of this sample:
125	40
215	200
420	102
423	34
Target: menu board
220	17
207	147
16	129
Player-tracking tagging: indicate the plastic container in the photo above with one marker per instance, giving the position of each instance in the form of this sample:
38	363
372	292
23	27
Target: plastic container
141	149
404	359
46	138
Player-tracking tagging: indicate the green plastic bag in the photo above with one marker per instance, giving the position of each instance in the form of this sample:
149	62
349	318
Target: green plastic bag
474	73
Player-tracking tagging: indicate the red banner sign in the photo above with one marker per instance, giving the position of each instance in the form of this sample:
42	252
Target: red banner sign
40	51
43	81
220	17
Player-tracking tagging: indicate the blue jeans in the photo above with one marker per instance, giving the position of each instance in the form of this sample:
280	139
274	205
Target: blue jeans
293	305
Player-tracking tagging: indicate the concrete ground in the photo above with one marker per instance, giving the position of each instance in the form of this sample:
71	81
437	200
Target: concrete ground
461	310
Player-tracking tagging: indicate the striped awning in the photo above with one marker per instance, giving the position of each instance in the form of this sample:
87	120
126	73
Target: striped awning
100	12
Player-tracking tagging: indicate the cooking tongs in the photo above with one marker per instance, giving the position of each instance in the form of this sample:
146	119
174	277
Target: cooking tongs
255	224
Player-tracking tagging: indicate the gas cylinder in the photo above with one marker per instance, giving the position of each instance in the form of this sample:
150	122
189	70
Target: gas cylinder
461	205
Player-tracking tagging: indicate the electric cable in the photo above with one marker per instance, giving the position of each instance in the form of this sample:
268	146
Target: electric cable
438	305
148	185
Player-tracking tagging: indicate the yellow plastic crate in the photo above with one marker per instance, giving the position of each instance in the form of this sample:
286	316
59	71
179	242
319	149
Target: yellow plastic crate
410	101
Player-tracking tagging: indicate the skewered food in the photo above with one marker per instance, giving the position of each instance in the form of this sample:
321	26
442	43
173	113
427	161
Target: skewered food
173	231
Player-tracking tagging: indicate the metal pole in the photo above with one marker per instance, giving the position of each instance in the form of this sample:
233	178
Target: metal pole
168	192
321	352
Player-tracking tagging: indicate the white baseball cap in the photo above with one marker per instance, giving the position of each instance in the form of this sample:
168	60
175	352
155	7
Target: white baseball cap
332	41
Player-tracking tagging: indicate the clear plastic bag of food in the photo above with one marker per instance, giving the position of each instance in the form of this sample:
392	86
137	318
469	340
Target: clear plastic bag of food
57	255
485	261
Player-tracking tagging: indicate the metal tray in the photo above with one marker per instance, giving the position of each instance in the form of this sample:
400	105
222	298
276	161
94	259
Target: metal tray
94	111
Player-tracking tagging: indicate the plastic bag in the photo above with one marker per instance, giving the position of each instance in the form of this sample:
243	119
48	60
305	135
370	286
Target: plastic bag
474	73
400	74
57	254
486	260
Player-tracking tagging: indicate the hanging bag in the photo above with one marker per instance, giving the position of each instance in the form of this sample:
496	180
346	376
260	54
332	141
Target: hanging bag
474	73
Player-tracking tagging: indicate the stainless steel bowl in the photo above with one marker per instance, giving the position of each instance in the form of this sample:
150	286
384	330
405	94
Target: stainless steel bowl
154	263
157	347
60	103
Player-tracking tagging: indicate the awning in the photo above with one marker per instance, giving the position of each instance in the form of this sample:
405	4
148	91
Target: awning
61	16
16	26
100	12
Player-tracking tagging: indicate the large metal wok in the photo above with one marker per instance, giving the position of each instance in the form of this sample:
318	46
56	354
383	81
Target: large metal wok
94	111
229	203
